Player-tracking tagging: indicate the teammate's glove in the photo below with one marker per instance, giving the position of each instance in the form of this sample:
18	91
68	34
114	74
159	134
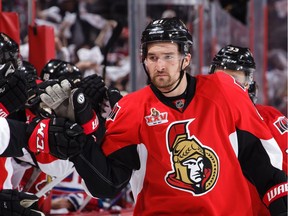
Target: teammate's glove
58	136
13	92
114	96
12	203
56	96
84	114
94	87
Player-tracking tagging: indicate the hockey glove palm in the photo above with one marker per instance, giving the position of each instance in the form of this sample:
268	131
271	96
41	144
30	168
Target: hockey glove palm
56	96
58	136
11	203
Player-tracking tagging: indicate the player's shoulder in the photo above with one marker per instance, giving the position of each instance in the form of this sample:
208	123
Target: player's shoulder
220	84
268	110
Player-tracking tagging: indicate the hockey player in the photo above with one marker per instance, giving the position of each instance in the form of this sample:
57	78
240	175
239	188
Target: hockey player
93	86
13	95
276	121
16	91
239	63
183	142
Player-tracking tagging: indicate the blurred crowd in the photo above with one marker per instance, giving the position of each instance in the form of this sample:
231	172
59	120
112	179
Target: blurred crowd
85	34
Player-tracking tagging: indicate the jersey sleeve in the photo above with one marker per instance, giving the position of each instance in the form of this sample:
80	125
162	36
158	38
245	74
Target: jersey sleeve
110	163
12	137
258	153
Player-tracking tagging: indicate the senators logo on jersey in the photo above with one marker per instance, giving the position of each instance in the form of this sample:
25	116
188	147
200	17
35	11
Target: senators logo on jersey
195	166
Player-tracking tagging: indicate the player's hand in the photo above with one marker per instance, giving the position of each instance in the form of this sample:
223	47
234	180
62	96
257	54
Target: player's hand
58	136
84	114
113	95
55	95
94	88
13	92
12	203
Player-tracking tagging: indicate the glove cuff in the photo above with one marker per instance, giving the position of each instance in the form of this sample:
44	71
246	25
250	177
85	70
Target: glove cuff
92	125
38	141
3	111
275	193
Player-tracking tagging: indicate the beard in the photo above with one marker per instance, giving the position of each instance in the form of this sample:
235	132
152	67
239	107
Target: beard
163	82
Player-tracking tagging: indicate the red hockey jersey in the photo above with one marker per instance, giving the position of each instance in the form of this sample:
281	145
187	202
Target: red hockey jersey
192	161
278	125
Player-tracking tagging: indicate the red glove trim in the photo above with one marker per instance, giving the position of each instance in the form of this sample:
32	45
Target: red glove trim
38	141
275	193
92	125
3	111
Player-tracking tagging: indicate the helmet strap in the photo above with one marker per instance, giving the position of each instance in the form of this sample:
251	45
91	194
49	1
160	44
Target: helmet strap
179	80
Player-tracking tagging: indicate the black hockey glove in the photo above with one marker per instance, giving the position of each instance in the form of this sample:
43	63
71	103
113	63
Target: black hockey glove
13	92
58	136
95	89
114	96
83	112
12	203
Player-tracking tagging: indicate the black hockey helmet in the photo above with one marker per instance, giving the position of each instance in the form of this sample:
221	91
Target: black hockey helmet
166	29
56	69
234	58
29	68
9	51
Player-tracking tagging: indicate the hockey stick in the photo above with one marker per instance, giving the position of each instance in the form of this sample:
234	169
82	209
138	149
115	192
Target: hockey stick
35	174
46	188
85	202
115	34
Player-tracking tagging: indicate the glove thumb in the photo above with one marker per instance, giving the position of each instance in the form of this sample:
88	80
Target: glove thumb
83	112
27	199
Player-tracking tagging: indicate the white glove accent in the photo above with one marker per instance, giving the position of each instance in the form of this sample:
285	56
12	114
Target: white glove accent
56	94
28	202
57	98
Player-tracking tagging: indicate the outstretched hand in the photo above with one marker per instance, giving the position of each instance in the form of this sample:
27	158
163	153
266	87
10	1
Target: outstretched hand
17	203
57	136
56	95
